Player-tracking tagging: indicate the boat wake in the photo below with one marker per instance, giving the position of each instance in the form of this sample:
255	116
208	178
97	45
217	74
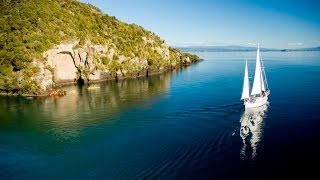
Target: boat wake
251	130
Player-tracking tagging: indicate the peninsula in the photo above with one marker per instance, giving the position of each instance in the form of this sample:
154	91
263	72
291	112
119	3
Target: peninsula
47	43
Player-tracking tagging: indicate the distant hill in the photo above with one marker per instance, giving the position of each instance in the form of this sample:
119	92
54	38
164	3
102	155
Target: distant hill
302	49
233	48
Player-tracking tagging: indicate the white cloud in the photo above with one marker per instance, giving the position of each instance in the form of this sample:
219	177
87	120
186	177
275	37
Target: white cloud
213	43
296	44
244	44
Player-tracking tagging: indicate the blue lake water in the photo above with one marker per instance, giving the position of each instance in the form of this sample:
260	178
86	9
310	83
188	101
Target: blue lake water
183	124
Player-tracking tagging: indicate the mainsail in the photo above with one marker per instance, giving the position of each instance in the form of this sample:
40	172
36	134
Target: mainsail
258	83
245	89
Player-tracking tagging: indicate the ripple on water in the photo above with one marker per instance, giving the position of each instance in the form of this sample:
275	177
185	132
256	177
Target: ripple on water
191	144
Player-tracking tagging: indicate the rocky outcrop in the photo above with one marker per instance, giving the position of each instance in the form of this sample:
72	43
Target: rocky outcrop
69	63
64	69
44	77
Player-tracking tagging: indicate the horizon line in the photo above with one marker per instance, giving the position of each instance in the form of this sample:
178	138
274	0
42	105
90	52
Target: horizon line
226	45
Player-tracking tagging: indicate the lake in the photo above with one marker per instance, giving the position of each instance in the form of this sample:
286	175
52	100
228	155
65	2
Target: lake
184	124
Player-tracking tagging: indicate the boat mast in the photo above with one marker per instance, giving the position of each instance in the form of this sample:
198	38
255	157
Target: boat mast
264	74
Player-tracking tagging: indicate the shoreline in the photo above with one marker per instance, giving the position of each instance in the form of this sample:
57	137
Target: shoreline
144	73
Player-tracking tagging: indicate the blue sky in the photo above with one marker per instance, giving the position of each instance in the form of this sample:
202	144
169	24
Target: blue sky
272	23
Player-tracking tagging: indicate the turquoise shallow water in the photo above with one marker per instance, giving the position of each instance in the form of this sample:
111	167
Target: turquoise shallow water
183	124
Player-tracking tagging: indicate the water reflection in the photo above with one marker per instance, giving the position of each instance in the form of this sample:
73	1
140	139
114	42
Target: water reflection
251	130
65	117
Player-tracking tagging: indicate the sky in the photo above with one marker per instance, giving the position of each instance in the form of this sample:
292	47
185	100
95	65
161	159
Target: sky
271	23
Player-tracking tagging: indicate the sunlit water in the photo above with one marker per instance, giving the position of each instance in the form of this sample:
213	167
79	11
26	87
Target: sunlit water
185	124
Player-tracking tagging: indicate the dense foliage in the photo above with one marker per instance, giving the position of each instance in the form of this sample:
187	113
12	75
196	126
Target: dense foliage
30	27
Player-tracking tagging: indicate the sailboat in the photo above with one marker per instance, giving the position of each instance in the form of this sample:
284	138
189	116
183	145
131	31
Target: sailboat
260	90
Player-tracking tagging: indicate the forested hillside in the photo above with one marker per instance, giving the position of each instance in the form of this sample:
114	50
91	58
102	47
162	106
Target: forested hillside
100	43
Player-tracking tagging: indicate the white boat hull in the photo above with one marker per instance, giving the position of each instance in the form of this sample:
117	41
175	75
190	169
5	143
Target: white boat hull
259	101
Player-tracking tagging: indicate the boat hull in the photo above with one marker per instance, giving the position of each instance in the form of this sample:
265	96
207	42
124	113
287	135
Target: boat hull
260	101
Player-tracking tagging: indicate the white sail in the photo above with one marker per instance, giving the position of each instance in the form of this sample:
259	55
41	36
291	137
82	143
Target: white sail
263	88
256	88
245	89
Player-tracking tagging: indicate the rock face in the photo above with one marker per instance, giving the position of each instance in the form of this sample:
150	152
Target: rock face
68	62
62	64
44	77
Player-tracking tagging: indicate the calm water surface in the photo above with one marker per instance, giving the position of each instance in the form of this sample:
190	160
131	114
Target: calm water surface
185	124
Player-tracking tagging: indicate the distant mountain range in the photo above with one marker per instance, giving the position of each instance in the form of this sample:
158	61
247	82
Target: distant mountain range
233	48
